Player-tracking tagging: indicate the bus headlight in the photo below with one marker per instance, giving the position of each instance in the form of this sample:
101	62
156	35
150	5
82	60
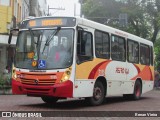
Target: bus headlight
66	75
14	75
68	72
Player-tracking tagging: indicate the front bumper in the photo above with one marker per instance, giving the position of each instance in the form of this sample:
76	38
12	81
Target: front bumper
57	90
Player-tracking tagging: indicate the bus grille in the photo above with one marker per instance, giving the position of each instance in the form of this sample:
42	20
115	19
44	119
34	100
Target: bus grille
35	91
34	79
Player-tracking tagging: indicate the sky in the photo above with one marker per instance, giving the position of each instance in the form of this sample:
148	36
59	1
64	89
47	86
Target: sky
70	7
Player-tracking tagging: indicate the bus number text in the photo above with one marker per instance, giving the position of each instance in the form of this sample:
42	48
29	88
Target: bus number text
122	70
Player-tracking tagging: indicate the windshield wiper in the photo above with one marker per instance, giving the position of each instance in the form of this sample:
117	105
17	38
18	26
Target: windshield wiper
50	37
32	35
32	38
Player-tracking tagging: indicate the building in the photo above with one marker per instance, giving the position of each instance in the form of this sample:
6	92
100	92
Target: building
38	8
34	8
11	15
16	12
43	7
25	9
5	23
6	16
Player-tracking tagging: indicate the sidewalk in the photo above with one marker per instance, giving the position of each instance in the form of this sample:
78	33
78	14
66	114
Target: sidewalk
6	91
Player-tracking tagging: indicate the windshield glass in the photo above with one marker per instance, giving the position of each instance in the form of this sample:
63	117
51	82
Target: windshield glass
52	48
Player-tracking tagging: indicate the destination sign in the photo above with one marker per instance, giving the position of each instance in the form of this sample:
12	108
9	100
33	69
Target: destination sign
48	22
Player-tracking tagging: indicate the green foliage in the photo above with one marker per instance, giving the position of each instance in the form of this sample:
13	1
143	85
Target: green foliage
92	7
5	81
101	10
2	80
157	54
137	19
143	16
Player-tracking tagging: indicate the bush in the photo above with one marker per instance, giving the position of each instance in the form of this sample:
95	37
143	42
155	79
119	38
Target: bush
2	80
5	82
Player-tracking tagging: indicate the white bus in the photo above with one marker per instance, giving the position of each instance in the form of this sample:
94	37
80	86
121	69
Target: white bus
68	57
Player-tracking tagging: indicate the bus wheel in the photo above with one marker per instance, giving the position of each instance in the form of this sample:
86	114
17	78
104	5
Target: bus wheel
98	94
49	100
137	90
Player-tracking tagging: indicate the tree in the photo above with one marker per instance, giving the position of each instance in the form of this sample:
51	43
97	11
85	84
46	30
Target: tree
137	19
157	54
102	11
143	15
153	12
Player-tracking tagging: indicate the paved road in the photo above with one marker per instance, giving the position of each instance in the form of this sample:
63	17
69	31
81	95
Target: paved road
149	102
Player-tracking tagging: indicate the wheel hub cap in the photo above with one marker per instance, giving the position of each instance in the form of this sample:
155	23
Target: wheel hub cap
97	93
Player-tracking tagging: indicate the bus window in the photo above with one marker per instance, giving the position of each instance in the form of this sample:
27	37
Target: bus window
102	47
144	54
133	52
84	46
118	48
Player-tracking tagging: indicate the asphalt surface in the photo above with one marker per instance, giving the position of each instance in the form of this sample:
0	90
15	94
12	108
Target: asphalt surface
149	102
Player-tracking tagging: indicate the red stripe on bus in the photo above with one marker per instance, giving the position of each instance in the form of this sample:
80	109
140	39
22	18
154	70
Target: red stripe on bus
94	70
138	69
145	74
152	78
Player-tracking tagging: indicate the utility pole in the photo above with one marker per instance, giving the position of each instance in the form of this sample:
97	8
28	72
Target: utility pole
81	2
55	9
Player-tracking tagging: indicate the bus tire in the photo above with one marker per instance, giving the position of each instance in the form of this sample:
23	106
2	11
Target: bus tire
49	100
137	90
136	94
98	94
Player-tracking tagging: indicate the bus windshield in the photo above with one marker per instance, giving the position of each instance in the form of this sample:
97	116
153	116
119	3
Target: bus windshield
53	46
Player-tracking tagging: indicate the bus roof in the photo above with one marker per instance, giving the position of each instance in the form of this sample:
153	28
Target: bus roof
105	28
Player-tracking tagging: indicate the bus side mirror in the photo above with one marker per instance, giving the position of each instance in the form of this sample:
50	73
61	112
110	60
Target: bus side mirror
12	32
